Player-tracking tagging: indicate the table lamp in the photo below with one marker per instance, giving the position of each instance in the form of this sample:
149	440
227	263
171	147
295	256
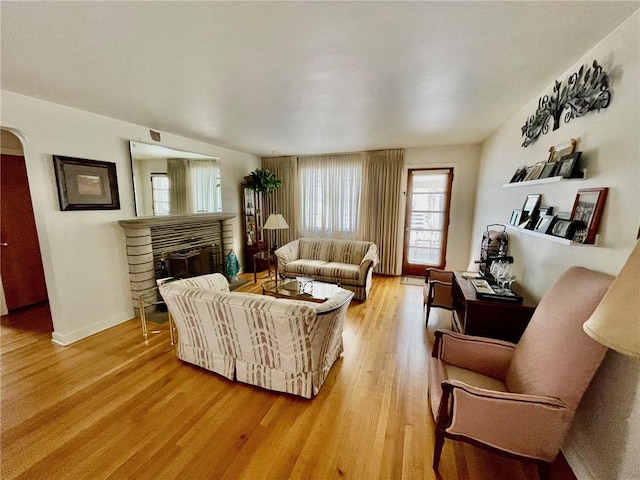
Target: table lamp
615	322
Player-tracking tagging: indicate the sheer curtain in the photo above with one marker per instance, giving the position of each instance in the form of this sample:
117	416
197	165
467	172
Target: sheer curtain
330	193
179	186
205	185
342	196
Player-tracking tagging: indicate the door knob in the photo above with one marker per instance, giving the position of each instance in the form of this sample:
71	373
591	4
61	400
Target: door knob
4	244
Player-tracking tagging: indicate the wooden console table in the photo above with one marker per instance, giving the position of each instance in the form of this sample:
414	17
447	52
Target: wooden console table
487	318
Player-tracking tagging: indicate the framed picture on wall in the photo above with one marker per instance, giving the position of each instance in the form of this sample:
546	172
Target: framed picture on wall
588	208
86	184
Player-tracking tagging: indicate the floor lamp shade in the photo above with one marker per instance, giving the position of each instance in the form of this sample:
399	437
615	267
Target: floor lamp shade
275	222
615	322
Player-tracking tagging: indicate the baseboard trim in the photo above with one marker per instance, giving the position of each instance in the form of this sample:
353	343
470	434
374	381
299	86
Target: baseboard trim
72	337
577	464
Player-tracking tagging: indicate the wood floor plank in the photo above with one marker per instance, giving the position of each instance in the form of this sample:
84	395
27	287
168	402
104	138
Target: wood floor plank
117	406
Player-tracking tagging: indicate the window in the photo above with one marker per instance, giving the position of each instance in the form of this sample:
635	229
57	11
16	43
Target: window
160	193
206	194
427	220
330	190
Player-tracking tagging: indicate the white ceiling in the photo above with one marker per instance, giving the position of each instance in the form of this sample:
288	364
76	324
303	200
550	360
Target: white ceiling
300	77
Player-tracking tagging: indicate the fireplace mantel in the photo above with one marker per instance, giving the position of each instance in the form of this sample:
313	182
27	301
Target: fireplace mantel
175	219
149	238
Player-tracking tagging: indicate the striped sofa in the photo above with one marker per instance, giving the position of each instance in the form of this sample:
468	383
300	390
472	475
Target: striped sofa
277	344
349	263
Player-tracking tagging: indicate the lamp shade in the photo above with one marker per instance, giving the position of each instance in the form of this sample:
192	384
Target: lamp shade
615	322
275	222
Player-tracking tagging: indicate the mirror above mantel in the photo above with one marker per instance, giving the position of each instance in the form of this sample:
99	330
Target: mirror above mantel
167	181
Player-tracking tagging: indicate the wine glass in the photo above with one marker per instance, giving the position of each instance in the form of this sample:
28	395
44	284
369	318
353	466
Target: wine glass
503	273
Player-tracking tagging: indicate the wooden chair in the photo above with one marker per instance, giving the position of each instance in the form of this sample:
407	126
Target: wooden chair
519	400
437	290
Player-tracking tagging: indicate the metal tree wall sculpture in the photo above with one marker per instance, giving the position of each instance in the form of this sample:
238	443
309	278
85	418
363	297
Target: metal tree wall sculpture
584	91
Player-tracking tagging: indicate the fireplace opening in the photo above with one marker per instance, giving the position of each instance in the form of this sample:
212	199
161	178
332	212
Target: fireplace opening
192	262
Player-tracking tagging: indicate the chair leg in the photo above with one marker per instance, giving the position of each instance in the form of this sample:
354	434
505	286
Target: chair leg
437	450
426	319
544	470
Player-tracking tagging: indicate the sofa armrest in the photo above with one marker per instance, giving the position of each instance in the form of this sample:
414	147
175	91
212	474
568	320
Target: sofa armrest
288	253
370	260
528	425
479	354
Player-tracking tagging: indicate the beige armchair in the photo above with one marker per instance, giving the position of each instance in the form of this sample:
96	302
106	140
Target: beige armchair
437	290
520	399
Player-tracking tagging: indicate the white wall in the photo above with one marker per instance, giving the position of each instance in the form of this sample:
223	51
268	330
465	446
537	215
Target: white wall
83	253
604	441
464	159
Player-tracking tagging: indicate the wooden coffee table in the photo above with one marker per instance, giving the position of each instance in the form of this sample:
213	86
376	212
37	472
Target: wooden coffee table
312	290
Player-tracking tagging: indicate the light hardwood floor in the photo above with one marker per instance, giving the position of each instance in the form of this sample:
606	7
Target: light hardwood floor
116	406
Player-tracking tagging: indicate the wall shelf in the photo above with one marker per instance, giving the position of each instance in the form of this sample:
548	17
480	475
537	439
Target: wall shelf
542	181
552	238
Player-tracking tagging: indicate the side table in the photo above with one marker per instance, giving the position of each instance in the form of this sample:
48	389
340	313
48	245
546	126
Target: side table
258	260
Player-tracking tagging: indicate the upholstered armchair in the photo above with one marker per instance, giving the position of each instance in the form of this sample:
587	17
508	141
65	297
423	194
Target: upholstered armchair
520	399
437	290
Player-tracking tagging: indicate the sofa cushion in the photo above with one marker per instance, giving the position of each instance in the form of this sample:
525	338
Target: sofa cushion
303	267
348	251
315	248
334	270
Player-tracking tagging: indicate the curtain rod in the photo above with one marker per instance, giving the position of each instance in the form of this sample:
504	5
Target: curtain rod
334	153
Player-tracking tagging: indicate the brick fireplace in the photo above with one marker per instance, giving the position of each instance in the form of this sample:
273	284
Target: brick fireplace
176	240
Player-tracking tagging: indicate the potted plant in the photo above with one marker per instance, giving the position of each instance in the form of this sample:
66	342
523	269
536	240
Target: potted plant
263	181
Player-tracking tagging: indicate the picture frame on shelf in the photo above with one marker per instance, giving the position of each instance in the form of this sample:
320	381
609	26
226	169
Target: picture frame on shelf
530	211
588	208
563	228
567	165
545	223
515	217
544	210
556	152
534	173
519	174
86	184
548	170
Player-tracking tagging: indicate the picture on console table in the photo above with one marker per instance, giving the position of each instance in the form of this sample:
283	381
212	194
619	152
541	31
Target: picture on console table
86	184
588	208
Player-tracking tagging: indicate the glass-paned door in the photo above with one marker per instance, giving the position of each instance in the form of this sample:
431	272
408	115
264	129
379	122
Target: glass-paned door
427	219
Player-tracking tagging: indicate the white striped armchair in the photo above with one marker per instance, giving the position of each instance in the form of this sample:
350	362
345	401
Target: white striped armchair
277	344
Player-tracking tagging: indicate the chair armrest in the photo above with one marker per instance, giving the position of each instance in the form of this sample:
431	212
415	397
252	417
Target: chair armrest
528	425
479	354
288	253
212	281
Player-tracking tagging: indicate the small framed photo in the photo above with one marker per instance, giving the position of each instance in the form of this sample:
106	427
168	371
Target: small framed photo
515	217
519	174
534	172
548	170
567	165
588	208
86	184
563	228
558	151
543	210
545	223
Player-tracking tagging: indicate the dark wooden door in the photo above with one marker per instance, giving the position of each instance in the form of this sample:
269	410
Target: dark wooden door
20	260
427	219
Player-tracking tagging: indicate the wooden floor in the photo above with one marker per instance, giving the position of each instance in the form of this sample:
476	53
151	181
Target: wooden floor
116	406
